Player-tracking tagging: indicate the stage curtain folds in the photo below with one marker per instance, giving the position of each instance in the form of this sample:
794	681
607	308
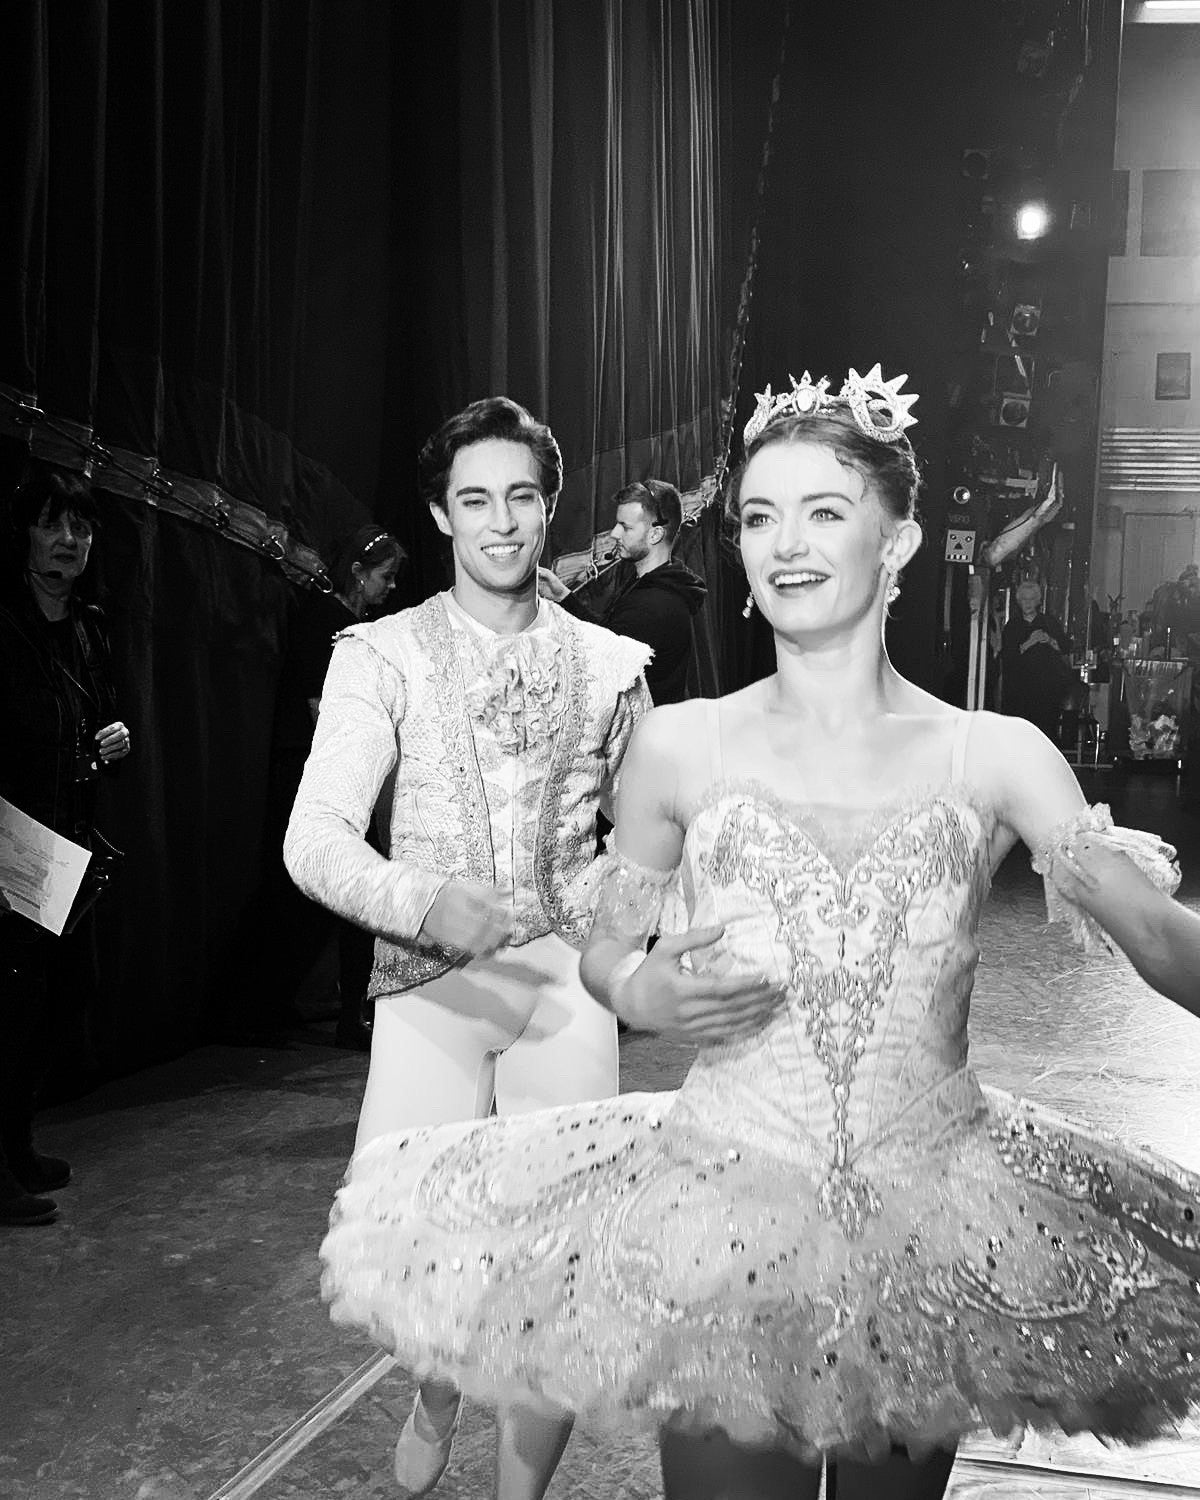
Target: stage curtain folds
194	267
594	233
271	243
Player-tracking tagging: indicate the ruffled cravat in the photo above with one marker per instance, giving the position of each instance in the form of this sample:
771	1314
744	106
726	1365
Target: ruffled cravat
514	687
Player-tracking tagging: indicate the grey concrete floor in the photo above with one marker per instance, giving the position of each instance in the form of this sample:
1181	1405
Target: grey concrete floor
168	1328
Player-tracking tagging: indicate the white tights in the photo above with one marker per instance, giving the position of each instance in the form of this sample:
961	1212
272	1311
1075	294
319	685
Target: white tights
517	1029
520	1032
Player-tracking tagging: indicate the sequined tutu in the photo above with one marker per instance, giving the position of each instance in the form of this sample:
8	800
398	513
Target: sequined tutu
629	1262
830	1234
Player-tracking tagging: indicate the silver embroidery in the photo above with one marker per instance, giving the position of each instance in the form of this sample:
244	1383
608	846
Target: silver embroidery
460	764
630	899
773	855
571	926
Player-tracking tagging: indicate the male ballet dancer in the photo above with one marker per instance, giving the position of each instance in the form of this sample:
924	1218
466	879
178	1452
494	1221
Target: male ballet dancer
495	724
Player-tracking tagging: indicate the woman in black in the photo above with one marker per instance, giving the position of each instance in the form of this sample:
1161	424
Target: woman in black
1038	682
60	732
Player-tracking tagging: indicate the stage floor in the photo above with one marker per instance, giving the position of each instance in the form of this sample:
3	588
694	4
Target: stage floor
165	1340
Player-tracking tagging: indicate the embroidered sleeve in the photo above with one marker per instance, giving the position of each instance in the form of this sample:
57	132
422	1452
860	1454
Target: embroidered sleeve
1155	859
353	755
629	899
632	706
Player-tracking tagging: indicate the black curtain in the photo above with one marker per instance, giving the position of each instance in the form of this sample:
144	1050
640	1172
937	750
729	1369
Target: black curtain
195	268
272	242
268	244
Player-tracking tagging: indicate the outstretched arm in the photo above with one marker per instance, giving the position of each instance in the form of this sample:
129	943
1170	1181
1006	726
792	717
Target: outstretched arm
1160	935
1090	866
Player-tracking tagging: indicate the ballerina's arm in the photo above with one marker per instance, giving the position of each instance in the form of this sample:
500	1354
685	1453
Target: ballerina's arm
655	993
1114	885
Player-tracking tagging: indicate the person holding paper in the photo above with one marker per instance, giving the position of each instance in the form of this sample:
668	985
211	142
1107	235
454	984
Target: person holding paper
61	730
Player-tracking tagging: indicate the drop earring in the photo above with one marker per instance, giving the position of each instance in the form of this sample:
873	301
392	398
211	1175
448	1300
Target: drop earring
893	588
748	608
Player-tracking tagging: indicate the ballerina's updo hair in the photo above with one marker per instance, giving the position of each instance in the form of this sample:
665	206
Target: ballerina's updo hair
890	468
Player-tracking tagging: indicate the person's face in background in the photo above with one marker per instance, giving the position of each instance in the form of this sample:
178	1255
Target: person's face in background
1029	598
58	549
634	532
376	583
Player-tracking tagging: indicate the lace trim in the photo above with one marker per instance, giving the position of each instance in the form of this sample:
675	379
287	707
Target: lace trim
518	692
841	849
618	660
630	898
1154	858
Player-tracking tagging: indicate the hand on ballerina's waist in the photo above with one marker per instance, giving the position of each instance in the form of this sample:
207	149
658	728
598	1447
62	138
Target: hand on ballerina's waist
661	996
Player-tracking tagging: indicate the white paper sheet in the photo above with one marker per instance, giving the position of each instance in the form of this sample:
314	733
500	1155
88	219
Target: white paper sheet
40	871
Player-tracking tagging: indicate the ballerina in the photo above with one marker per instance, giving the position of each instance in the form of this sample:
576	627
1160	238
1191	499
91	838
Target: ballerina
831	1243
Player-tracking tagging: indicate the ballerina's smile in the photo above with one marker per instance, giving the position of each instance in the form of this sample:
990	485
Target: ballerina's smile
796	578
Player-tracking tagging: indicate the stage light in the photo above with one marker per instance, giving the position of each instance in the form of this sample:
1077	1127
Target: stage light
1032	220
976	164
962	495
1013	409
1178	11
1025	320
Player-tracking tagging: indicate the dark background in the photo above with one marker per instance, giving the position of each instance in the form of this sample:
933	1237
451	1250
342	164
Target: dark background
271	243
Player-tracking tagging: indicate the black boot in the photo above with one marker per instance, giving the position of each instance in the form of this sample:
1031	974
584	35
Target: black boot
36	1173
17	1206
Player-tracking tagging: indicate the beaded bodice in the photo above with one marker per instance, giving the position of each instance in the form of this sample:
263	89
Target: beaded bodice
869	919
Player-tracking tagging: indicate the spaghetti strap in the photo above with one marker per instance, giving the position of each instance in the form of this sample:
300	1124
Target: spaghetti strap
716	751
958	753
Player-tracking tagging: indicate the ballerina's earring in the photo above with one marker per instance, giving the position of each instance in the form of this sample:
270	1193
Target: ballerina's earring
893	588
748	608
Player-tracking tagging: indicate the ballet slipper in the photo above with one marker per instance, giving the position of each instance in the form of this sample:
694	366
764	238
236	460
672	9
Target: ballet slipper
422	1452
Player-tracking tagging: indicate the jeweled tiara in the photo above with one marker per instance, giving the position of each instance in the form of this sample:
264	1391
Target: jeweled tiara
878	408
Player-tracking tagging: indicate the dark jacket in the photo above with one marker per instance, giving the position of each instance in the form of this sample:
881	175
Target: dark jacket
1036	681
657	608
55	693
315	620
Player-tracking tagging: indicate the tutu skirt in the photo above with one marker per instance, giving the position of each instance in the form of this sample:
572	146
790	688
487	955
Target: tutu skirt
631	1262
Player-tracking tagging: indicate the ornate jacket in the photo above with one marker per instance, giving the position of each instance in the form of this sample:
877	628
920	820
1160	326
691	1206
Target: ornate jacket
484	758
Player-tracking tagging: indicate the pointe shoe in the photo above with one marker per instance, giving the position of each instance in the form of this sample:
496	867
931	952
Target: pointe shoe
421	1452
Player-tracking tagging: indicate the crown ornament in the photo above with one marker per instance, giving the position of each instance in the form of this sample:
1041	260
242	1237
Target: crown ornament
878	408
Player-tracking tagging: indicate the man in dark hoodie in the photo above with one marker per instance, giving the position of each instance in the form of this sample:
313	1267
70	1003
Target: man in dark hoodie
657	607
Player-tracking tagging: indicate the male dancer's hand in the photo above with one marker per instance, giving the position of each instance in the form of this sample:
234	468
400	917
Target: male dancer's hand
662	997
551	586
475	919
